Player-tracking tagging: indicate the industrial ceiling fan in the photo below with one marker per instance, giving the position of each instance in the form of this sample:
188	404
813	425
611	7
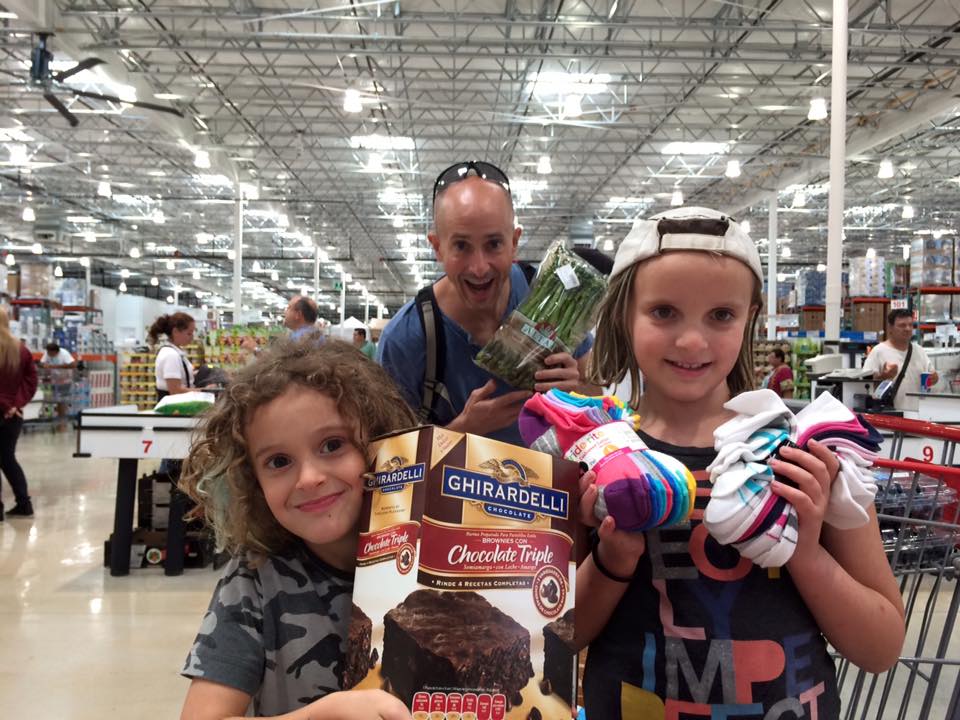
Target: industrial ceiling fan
51	82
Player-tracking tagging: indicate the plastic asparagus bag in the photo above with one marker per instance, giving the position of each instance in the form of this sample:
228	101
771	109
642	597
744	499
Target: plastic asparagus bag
556	317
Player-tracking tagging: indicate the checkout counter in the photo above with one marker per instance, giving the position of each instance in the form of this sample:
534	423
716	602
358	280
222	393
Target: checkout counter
123	433
832	372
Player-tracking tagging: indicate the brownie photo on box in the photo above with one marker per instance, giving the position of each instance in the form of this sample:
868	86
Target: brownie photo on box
454	640
358	648
558	658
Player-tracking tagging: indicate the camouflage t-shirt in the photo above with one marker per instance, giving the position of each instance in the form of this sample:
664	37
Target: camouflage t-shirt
275	629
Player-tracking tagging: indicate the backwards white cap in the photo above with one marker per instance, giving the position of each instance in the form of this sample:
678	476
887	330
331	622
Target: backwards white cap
687	228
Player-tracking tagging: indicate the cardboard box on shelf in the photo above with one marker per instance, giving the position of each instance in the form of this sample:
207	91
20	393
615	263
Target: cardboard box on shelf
869	316
812	318
36	280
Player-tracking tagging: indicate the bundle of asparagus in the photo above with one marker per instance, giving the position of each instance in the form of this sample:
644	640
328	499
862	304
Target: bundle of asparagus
556	317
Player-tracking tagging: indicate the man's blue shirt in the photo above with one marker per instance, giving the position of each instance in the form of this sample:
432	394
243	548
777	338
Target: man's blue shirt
402	352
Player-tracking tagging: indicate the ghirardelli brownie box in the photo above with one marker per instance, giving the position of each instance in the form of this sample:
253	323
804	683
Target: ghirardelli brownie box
464	590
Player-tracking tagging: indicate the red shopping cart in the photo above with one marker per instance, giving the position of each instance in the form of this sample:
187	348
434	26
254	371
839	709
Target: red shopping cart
917	506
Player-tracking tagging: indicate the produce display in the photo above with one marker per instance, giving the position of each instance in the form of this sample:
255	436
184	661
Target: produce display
556	317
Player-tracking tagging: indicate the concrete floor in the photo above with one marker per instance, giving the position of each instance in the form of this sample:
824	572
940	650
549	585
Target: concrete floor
76	643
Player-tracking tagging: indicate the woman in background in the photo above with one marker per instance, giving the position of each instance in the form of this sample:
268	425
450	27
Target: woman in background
174	374
18	383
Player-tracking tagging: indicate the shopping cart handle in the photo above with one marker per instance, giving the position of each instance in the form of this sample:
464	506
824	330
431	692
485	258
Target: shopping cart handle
937	471
920	428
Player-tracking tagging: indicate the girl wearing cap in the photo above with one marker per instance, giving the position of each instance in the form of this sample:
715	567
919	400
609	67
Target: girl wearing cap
679	625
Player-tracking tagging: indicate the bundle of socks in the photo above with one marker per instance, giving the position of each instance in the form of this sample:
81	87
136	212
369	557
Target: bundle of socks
743	509
641	488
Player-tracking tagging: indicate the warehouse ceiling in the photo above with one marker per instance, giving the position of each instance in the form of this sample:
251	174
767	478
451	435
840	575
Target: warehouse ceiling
333	117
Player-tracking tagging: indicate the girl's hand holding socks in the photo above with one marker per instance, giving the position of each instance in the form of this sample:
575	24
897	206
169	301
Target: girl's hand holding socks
640	488
824	452
619	550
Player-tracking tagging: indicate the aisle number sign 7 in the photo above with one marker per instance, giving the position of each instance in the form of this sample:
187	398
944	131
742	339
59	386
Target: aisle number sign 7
147	444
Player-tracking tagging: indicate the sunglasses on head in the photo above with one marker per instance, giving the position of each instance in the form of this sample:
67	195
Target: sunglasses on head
460	171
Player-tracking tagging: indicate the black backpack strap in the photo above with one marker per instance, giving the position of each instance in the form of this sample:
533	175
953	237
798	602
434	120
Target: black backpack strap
432	323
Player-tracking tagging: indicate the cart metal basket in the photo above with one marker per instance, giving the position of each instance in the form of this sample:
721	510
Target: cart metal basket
917	506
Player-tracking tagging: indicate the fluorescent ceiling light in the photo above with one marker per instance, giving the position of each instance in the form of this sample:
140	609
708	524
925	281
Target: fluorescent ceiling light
381	142
886	170
58	271
81	219
36	249
18	154
572	107
775	108
818	109
695	148
799	199
203	238
908	212
135	252
786	252
168	96
155	281
733	169
871	253
103	189
196	273
745	226
212	179
564	83
85	262
124	273
676	200
5	15
171	265
351	101
14	134
608	245
375	163
29	215
543	165
122	287
201	159
398	222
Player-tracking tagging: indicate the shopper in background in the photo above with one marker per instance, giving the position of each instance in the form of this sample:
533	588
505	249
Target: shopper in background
174	373
61	364
285	500
475	238
300	317
362	344
780	378
675	620
18	383
887	358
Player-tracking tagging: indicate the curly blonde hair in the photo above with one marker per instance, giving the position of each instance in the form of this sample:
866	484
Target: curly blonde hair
218	473
613	359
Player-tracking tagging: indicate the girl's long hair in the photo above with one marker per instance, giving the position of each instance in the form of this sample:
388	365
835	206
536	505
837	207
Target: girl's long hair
9	345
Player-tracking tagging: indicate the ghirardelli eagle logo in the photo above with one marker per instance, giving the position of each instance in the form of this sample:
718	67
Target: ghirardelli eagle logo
509	471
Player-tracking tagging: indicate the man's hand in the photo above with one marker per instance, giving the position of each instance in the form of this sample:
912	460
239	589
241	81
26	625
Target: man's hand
562	373
11	412
484	414
890	371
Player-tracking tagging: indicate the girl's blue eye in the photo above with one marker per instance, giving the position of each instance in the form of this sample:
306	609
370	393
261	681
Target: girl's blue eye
277	462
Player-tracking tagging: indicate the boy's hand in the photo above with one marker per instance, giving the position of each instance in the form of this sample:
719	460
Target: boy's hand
619	550
813	472
360	705
562	373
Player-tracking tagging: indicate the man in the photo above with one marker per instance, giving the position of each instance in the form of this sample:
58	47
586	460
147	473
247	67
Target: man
60	365
362	344
300	317
887	358
474	237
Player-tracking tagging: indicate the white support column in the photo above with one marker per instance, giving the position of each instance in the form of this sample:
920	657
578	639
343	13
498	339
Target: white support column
316	275
238	262
366	309
838	140
379	311
343	298
772	268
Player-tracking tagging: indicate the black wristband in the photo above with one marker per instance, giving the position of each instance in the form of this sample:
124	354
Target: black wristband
595	554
